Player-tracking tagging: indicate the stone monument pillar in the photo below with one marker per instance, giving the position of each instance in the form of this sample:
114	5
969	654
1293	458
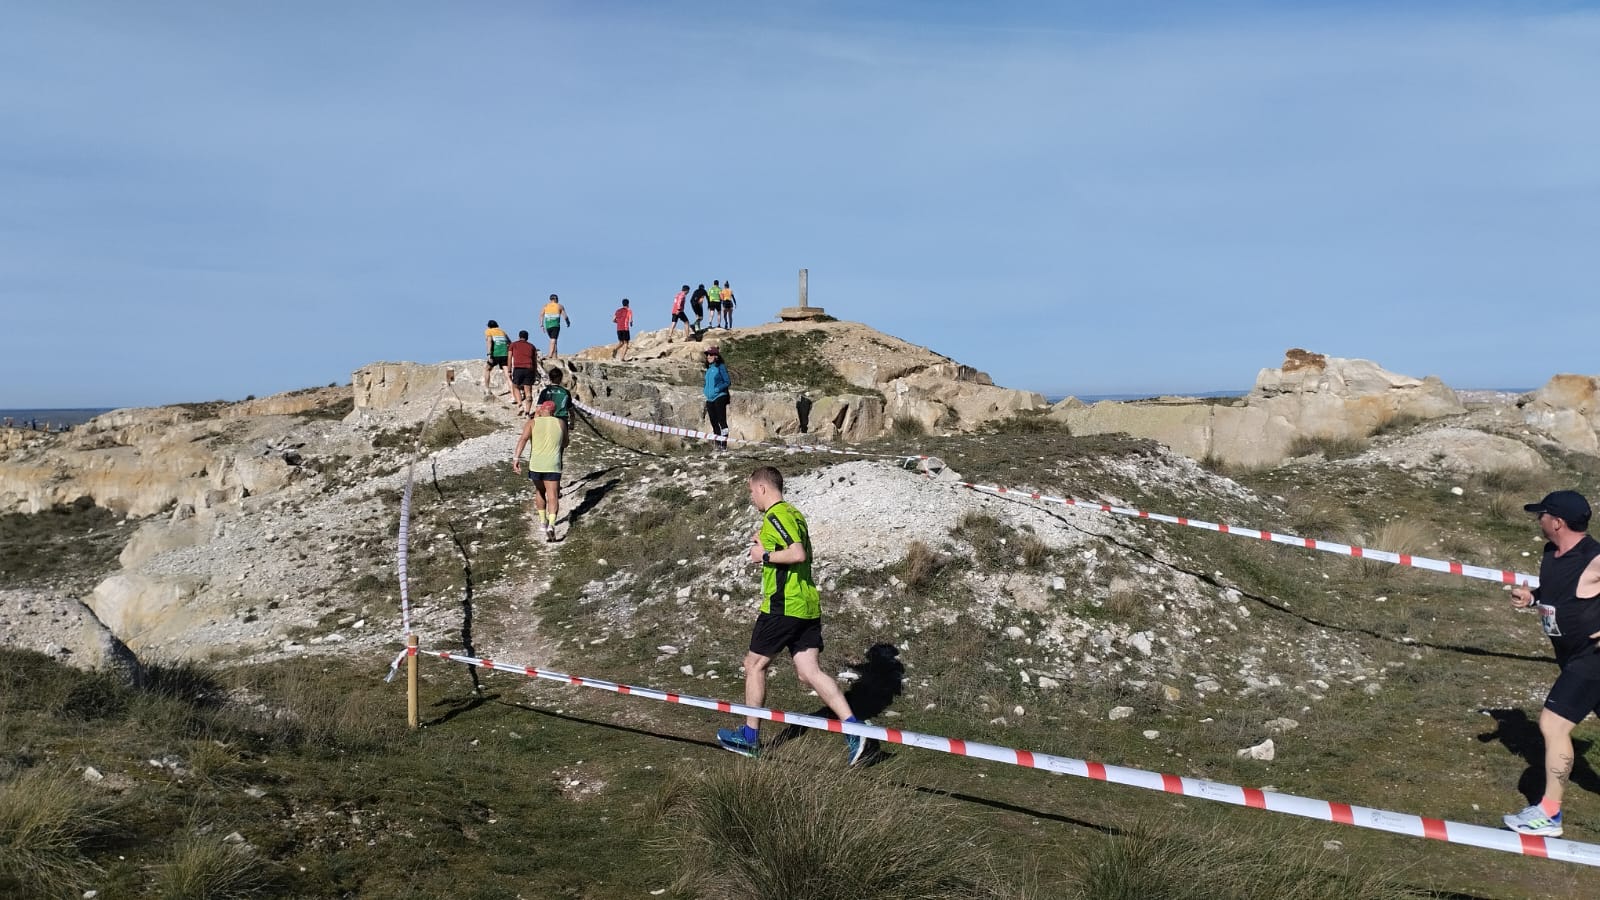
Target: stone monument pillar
805	311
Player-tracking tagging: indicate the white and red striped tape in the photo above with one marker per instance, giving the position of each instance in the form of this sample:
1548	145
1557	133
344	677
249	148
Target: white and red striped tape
707	436
1272	801
1504	576
403	545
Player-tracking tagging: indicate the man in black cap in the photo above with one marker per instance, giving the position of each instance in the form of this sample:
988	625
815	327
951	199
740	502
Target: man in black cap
1568	601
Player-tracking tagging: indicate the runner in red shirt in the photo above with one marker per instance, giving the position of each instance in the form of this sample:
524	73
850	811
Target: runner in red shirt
624	319
678	314
524	373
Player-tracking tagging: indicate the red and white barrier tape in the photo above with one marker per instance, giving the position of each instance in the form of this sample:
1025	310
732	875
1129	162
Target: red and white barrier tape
1198	788
707	436
394	667
403	546
1503	576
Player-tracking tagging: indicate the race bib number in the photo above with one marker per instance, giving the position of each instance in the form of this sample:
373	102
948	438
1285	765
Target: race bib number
1547	620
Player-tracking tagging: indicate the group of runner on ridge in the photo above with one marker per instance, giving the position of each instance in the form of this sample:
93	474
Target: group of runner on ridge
717	300
544	437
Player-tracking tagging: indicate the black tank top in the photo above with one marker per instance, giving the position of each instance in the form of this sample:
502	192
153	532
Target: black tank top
1575	617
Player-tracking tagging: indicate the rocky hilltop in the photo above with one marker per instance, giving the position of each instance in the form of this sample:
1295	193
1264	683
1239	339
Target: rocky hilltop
823	381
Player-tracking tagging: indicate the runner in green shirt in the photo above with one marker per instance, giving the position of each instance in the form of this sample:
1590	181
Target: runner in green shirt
790	617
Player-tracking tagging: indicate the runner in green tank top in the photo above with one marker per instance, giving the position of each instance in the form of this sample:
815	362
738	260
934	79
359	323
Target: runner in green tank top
790	617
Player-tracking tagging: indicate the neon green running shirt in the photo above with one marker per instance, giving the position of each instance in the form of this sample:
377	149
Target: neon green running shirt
787	590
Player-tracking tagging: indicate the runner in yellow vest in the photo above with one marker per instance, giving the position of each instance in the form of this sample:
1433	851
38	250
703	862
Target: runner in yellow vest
554	312
714	304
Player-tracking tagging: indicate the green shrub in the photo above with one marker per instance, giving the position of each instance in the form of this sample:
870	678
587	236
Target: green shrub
786	359
755	831
45	821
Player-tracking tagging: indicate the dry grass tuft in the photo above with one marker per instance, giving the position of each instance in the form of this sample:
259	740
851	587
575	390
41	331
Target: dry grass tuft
754	830
1507	507
907	427
45	821
203	867
1326	519
1035	552
1329	447
1515	481
1406	535
1156	861
920	567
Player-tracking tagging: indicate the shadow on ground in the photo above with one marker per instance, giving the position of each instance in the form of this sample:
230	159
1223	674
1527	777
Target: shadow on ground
1520	735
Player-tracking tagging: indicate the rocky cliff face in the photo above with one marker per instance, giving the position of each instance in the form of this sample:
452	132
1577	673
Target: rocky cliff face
143	461
1567	411
1310	395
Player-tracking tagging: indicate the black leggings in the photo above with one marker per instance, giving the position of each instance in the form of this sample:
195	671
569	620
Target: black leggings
717	410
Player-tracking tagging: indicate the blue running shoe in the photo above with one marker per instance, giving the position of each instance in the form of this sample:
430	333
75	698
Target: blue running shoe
744	740
1533	821
855	747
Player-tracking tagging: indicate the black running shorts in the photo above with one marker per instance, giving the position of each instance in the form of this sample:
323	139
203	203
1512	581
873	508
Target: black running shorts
524	377
624	335
774	634
1576	694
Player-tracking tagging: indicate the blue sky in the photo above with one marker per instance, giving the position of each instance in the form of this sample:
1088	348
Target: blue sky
202	200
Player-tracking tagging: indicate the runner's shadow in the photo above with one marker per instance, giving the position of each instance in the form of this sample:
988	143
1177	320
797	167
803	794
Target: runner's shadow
455	706
882	679
1520	735
612	726
580	416
591	498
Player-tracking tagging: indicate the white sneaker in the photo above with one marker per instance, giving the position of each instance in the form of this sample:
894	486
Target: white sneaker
1533	821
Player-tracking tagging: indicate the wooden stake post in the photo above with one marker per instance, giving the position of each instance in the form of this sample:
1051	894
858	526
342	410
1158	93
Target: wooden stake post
411	680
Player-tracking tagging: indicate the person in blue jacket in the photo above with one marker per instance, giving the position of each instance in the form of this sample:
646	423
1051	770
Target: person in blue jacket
717	384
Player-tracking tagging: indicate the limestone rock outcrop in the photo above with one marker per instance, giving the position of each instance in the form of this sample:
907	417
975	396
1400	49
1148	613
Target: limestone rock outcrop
1310	395
1463	451
64	628
142	461
150	611
1566	410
